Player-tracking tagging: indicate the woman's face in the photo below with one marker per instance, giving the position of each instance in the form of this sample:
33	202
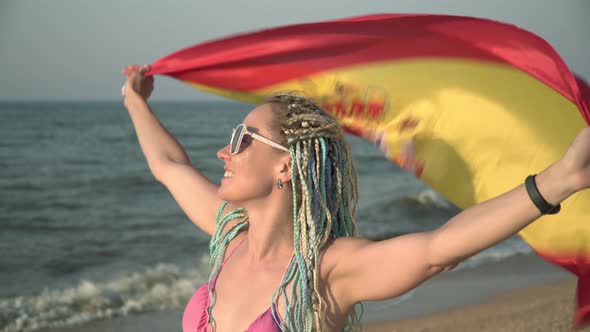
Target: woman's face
252	172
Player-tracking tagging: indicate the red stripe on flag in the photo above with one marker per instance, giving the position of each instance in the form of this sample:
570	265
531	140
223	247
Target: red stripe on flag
580	266
582	314
584	98
256	60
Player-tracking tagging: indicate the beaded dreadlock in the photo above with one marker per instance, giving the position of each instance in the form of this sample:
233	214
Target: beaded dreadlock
325	195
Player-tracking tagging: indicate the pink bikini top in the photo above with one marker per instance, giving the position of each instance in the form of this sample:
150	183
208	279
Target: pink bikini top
196	318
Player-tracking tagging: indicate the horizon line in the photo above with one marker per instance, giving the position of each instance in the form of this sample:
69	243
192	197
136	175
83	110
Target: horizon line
121	100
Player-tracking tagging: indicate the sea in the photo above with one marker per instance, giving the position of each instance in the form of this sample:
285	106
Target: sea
87	233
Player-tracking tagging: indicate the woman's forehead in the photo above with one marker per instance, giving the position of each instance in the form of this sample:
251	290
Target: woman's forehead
259	119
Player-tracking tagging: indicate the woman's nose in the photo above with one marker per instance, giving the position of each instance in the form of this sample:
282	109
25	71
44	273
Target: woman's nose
224	154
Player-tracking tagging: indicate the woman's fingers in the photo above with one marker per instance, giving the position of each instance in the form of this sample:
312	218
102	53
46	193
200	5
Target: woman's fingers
129	70
136	80
144	69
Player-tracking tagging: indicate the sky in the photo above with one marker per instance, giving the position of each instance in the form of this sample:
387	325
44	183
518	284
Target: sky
74	50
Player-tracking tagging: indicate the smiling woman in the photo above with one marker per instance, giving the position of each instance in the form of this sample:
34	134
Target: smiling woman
320	192
283	220
286	206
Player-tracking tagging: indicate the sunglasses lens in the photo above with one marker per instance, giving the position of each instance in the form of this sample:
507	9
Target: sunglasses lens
236	139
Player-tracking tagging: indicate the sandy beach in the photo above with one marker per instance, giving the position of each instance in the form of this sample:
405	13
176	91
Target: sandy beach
541	308
522	293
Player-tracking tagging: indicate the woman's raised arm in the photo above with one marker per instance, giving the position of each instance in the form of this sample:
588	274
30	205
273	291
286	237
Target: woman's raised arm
156	142
166	158
385	269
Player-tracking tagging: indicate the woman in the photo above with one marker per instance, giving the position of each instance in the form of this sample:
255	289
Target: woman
285	250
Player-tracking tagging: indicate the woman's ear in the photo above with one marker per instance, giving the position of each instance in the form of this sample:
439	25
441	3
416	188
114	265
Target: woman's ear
286	168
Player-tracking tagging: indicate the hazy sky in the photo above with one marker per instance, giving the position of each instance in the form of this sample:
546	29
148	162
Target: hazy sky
75	49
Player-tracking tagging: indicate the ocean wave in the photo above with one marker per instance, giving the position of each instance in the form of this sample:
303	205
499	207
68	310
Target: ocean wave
506	249
161	287
428	198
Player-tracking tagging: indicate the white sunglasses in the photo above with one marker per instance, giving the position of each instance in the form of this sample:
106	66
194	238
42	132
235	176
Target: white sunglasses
238	134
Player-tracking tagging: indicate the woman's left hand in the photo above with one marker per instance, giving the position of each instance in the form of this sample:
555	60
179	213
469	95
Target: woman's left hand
577	160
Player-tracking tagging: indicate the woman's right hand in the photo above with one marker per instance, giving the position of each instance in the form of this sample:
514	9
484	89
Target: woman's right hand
137	83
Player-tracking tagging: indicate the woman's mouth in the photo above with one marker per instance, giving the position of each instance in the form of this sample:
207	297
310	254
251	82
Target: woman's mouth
228	174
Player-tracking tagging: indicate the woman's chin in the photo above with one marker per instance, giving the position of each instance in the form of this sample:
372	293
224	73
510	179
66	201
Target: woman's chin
224	191
221	193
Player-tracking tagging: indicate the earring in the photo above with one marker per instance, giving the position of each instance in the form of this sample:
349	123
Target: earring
280	184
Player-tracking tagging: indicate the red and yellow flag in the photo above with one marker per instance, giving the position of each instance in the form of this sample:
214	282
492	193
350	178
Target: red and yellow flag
471	106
